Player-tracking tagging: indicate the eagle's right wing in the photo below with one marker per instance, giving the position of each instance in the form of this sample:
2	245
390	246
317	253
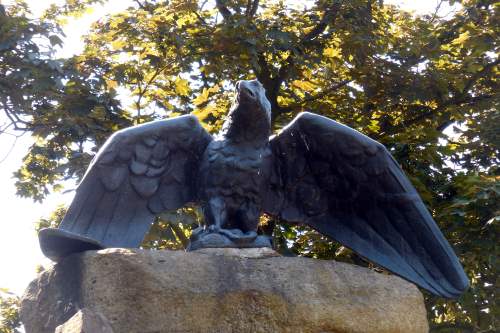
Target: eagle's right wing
139	172
348	187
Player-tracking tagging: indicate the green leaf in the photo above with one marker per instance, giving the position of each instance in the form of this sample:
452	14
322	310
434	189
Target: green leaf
182	86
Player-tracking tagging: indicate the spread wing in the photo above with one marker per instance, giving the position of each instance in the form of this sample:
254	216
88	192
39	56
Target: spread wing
348	187
140	171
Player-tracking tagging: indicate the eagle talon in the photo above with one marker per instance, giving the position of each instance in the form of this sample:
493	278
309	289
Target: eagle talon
214	228
227	238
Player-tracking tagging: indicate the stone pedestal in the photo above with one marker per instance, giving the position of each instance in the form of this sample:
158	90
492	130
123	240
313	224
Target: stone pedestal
85	321
217	291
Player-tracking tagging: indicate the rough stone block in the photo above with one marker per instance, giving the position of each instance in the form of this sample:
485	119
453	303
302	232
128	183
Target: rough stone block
221	290
85	321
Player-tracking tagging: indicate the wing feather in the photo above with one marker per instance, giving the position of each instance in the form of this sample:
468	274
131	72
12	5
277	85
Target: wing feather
348	186
139	172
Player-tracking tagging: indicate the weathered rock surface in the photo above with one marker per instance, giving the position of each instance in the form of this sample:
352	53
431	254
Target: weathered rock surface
85	321
221	290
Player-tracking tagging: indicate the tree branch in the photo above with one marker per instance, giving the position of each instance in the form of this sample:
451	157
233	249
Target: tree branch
433	112
460	99
221	6
263	74
140	4
325	92
252	7
328	18
436	11
11	148
319	95
142	90
13	117
285	70
200	18
478	75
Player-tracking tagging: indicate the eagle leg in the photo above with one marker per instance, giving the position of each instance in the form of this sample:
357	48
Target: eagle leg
217	214
218	235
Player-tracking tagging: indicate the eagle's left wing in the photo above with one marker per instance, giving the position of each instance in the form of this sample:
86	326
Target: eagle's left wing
139	172
348	187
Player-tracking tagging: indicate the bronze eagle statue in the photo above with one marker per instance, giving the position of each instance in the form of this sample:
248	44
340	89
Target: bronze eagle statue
315	171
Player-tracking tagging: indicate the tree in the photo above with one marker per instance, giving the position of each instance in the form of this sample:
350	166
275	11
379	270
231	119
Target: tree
9	312
425	86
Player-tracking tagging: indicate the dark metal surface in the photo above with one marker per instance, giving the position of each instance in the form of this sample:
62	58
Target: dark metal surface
140	171
315	171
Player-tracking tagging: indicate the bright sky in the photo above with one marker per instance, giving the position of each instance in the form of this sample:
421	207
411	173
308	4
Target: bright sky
19	250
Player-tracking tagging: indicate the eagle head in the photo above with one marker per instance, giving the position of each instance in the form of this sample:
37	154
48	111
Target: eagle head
251	94
250	116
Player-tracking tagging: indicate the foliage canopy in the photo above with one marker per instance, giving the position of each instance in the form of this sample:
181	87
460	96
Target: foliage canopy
425	86
9	315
